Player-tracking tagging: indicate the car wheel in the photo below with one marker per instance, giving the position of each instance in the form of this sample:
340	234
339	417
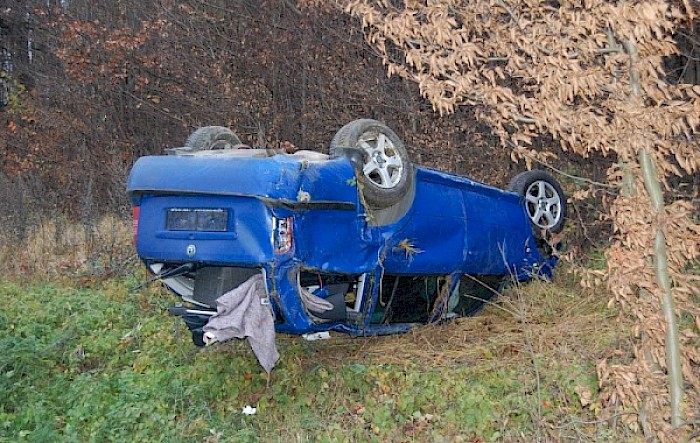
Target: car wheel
381	160
545	202
212	137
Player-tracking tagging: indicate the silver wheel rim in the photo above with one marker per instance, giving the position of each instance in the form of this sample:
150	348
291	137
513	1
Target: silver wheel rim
383	165
543	204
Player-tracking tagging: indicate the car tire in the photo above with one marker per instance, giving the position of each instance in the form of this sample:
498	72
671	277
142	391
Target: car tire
385	172
544	199
212	137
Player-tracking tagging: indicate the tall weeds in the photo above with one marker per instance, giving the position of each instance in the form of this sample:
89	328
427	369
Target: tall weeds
62	248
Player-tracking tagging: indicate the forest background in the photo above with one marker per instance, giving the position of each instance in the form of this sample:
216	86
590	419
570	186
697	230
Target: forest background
88	88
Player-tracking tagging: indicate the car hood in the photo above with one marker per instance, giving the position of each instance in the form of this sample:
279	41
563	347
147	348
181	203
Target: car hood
283	177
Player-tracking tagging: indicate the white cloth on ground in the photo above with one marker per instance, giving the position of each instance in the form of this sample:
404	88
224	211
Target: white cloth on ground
241	314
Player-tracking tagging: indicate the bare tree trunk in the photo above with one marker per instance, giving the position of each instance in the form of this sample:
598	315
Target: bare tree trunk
651	182
673	355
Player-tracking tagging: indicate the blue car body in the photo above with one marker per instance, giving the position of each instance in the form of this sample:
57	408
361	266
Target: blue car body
297	218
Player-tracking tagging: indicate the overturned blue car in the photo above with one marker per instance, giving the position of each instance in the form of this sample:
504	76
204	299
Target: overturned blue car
359	240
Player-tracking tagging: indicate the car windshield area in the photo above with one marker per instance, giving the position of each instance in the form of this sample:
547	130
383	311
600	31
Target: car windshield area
420	299
408	298
473	292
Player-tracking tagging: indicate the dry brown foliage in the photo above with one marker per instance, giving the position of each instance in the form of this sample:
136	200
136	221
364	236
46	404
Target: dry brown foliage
62	249
631	278
589	74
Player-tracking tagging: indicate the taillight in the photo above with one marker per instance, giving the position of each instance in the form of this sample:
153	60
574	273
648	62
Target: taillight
283	234
135	213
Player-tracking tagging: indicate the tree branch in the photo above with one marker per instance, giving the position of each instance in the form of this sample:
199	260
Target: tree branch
510	12
560	172
673	352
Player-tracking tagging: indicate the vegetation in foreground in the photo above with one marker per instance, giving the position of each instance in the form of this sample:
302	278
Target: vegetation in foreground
100	363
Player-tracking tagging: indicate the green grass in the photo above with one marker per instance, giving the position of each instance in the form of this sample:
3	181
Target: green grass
99	364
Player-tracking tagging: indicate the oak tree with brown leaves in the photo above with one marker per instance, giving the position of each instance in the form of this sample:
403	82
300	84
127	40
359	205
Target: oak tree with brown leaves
588	74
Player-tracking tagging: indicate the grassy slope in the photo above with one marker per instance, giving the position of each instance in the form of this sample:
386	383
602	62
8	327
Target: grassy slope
100	364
